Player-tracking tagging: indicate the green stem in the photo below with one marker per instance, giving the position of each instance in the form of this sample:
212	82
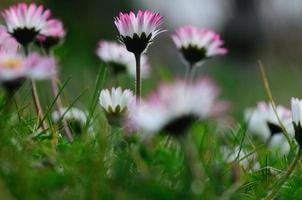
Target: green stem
138	77
35	96
37	104
287	175
271	99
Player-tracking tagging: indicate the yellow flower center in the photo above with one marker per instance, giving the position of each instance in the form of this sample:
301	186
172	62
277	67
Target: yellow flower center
11	63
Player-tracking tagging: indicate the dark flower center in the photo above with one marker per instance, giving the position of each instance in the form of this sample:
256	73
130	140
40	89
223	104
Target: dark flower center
24	35
117	68
76	126
298	133
274	128
180	125
12	86
47	42
193	55
136	44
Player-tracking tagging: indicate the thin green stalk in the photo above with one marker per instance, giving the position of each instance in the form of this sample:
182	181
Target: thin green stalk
100	80
271	99
138	77
273	193
56	93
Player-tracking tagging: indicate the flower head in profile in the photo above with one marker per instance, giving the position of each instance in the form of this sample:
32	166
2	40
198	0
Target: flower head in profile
296	106
51	35
263	122
115	103
197	44
174	107
15	68
75	118
8	44
121	60
137	31
25	22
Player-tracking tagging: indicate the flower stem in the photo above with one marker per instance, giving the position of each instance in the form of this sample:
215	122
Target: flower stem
59	105
38	104
287	175
271	99
35	96
190	72
138	77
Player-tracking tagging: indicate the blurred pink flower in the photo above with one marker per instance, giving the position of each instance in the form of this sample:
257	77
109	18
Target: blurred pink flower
25	22
7	42
198	44
52	34
138	31
14	67
120	59
174	107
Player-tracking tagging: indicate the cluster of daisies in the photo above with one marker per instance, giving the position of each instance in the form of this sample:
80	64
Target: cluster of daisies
31	33
174	106
27	40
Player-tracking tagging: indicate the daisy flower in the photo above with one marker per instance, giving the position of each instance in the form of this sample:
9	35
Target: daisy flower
15	68
51	35
174	107
25	22
116	56
263	123
115	103
197	44
8	44
75	118
138	31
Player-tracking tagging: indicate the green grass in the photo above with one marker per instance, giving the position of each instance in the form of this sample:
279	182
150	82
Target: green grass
112	165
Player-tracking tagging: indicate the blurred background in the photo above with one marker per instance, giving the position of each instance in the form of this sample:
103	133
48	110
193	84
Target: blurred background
253	30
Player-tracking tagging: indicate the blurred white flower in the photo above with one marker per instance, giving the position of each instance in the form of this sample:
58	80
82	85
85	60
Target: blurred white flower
70	114
75	118
173	107
117	56
279	143
262	120
247	160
